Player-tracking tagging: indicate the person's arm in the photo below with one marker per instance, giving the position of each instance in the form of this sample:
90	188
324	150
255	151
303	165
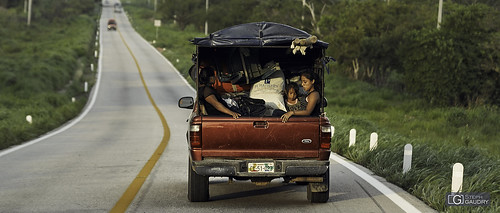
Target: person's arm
211	99
311	104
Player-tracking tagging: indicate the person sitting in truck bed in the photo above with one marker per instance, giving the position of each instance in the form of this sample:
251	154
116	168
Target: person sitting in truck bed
208	96
310	82
293	101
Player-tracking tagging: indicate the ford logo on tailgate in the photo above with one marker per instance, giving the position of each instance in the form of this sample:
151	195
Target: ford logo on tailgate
307	141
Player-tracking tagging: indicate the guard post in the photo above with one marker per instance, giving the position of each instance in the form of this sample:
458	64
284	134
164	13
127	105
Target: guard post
157	25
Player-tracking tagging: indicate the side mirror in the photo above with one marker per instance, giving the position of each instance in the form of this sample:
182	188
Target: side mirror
186	103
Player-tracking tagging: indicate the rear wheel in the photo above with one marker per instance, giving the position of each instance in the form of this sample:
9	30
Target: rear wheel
315	196
197	185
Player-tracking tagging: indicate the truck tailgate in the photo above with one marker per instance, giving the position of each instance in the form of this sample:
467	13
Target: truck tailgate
260	137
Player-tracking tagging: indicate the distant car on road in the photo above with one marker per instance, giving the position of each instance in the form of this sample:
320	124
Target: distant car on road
118	8
112	24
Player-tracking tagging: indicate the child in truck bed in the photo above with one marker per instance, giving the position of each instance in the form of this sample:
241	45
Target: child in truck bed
293	101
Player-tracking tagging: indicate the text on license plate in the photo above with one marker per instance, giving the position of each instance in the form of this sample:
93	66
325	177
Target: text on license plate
260	167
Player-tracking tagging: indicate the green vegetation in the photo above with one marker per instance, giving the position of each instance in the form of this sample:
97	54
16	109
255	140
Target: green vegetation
398	45
442	132
43	66
413	117
440	137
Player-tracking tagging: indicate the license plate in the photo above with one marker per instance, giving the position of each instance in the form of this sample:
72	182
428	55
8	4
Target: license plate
260	167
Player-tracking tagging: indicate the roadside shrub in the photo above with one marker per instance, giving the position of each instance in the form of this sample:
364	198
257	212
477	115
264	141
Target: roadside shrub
456	117
444	65
7	79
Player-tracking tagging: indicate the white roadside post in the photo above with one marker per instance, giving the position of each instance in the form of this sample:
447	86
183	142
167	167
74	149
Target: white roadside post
373	141
73	99
206	21
29	119
352	137
157	25
457	178
30	3
440	14
86	86
407	158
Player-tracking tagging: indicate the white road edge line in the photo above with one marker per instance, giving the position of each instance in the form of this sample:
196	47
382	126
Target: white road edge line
398	200
87	108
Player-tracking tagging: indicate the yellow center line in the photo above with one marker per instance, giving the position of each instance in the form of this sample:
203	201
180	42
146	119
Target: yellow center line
135	186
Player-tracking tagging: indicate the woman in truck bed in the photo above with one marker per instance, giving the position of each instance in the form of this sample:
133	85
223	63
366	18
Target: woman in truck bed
309	82
214	105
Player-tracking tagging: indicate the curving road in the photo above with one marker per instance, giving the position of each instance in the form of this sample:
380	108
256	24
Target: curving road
111	157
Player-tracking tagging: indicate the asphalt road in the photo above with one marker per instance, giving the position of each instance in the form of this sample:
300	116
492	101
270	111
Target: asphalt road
88	164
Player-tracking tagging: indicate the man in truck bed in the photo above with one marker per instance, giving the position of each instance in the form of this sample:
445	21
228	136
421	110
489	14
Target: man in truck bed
256	60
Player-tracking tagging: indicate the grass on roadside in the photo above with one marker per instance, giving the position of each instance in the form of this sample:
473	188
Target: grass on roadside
380	108
42	67
438	137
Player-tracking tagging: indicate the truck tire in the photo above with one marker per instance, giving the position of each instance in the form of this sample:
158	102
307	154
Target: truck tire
197	186
320	197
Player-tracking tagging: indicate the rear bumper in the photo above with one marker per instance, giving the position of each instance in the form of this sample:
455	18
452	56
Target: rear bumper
239	168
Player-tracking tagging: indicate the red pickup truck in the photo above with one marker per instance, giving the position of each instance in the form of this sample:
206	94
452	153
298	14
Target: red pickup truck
261	147
112	24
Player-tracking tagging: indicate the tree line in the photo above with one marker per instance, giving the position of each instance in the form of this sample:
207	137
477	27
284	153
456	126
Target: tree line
391	43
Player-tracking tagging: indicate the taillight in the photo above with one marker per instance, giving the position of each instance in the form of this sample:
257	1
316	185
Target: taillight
326	136
195	136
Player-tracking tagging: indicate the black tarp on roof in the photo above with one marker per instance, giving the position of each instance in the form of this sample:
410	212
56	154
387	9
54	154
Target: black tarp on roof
257	34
